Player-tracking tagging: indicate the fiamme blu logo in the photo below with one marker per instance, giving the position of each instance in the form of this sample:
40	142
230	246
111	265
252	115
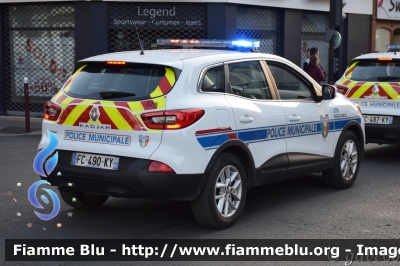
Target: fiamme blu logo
44	163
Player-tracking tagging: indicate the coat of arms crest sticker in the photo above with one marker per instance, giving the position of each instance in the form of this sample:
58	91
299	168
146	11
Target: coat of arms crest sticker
143	140
324	125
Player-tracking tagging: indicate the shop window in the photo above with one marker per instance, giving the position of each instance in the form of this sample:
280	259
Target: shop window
262	24
313	27
382	38
396	36
39	43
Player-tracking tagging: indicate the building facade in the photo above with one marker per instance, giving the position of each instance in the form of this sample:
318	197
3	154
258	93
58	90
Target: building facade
42	40
385	24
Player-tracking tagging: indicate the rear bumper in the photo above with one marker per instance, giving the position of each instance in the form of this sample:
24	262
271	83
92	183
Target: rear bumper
383	134
131	180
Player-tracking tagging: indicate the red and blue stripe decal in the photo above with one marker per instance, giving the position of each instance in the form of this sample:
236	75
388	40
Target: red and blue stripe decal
213	138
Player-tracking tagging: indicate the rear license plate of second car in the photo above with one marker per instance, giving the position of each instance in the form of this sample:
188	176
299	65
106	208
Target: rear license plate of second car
95	161
376	119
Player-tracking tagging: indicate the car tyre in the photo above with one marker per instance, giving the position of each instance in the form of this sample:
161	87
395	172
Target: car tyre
81	200
222	198
344	172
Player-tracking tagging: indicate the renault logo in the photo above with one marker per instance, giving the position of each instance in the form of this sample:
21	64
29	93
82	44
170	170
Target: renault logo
375	90
94	113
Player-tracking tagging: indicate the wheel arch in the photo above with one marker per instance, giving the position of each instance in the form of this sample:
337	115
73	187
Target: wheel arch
243	153
355	127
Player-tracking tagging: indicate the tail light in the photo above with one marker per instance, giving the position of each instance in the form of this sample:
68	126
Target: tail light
174	119
51	111
341	89
160	168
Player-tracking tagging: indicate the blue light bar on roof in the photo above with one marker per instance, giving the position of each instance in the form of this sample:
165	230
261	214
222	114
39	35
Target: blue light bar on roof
209	43
244	43
393	47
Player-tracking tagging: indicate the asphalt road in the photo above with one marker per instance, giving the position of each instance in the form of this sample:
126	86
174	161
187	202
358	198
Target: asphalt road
302	208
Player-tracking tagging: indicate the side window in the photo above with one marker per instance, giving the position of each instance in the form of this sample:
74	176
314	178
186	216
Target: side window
247	79
214	80
289	85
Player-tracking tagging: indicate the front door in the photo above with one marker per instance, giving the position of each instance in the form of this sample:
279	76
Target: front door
310	134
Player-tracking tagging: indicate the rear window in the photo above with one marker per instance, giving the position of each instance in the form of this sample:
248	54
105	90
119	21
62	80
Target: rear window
374	70
129	82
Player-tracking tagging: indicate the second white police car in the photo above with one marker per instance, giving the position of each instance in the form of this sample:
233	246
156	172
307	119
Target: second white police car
373	81
197	125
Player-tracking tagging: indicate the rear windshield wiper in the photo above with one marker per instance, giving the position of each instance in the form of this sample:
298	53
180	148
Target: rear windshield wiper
115	94
387	78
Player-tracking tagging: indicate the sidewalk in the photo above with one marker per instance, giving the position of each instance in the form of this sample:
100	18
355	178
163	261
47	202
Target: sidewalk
15	126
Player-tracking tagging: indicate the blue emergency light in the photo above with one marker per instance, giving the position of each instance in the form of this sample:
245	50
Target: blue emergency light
230	44
241	43
393	47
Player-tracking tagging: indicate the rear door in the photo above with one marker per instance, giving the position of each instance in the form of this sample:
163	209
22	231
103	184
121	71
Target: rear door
260	121
102	103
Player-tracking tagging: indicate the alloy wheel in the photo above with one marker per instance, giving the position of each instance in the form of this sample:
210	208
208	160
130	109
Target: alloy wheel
228	191
348	159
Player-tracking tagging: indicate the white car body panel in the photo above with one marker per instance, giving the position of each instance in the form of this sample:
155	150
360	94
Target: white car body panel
268	116
180	149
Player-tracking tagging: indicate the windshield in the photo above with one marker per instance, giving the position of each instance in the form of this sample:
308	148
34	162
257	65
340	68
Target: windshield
374	70
130	82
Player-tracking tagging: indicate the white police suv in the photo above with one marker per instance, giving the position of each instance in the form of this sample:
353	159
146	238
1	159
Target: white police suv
197	125
373	82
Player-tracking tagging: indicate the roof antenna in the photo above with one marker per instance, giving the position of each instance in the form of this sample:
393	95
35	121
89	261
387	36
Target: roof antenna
140	42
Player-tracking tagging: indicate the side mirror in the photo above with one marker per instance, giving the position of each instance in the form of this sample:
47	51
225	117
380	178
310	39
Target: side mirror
328	92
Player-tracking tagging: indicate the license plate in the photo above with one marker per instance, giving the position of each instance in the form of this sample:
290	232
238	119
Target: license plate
376	119
95	161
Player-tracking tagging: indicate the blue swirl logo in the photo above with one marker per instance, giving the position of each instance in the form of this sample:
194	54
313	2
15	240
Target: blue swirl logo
44	163
33	200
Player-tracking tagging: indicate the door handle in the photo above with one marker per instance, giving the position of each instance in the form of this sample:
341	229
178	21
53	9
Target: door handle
294	118
246	119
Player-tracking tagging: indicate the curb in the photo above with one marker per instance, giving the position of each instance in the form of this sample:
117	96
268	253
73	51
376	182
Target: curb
21	118
25	135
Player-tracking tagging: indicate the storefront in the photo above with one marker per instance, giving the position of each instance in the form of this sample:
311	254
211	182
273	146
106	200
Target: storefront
149	21
44	39
385	24
39	43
